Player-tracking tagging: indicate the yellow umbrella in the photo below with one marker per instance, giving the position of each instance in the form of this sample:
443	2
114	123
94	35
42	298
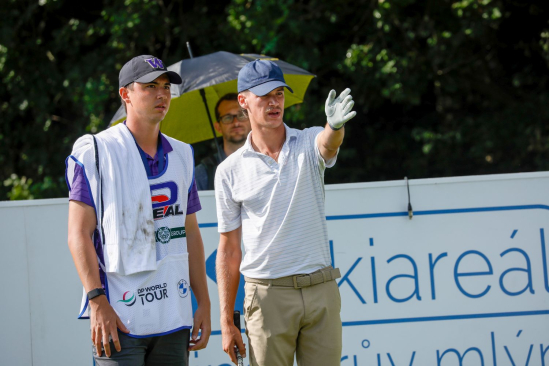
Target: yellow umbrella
205	80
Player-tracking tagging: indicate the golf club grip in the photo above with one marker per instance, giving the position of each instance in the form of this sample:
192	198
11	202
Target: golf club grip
236	320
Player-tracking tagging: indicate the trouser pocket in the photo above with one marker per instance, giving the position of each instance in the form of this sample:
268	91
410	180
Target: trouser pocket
250	293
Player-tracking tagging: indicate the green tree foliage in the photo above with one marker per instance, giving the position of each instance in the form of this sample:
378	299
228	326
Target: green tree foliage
59	63
442	87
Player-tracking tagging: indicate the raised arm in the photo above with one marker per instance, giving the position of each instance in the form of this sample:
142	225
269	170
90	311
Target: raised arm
103	318
197	272
228	260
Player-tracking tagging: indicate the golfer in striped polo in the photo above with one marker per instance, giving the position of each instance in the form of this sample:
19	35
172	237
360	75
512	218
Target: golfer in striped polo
270	195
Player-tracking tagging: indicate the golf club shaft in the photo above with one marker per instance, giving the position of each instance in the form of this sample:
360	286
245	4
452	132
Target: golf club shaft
239	358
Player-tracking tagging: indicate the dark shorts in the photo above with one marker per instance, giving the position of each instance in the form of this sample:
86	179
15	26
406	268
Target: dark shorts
166	350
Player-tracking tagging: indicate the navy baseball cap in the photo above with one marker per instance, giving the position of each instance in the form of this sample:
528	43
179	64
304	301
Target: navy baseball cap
261	77
144	69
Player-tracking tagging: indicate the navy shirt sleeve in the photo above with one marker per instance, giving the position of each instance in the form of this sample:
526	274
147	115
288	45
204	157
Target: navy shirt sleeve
193	202
79	189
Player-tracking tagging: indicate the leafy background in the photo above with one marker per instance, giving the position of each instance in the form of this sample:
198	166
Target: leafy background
442	87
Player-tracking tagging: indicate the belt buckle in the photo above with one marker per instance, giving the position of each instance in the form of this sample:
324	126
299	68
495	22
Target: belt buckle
302	276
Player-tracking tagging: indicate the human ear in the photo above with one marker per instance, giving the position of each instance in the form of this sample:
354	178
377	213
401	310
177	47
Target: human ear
123	91
217	127
242	101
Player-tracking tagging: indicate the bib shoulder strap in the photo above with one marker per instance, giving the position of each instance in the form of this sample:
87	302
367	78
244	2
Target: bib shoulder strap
100	188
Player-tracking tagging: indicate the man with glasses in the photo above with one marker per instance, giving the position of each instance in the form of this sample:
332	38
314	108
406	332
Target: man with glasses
234	126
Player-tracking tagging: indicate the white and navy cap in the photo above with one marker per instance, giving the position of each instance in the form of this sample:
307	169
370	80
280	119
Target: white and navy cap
261	77
144	69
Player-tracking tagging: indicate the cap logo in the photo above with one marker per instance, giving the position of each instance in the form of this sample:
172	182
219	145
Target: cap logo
155	63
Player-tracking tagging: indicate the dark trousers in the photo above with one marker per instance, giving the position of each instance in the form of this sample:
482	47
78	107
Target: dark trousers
165	350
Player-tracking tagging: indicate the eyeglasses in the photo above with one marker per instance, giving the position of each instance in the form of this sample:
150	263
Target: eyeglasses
229	118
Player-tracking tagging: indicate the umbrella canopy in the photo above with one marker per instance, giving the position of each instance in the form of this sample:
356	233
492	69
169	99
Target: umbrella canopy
216	74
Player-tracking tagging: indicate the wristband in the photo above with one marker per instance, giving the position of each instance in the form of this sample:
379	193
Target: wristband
336	129
95	293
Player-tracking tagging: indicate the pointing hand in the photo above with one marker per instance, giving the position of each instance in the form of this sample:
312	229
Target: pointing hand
338	110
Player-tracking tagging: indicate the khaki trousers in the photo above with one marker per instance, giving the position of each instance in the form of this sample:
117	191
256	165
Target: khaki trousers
283	321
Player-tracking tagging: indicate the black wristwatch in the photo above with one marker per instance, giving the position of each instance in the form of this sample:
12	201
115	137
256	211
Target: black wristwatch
96	292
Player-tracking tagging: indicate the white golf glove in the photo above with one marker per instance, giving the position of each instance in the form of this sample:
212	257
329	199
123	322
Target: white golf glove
338	110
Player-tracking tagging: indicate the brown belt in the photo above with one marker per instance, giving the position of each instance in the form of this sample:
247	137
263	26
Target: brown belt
301	280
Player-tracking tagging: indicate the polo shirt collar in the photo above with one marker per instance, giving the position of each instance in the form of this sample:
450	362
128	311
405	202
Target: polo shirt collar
291	133
166	146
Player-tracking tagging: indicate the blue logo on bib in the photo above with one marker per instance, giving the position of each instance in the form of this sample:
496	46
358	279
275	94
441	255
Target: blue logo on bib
183	288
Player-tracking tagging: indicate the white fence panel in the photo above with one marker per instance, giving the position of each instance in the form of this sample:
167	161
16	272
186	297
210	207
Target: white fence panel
465	282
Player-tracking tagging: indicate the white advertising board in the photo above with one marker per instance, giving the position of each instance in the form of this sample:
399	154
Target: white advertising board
464	282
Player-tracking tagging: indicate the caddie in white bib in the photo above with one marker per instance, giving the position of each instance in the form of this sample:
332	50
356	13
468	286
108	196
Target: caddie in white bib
156	302
152	303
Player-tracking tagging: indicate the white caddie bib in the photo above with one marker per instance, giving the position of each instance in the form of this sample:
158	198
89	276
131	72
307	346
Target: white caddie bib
158	302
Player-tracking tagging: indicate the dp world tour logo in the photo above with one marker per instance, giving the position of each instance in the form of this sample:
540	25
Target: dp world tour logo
183	288
128	299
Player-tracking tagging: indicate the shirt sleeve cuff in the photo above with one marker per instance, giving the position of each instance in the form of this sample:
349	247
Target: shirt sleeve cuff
225	228
326	163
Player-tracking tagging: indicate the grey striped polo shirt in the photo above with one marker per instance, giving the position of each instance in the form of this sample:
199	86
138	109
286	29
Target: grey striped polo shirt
280	206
